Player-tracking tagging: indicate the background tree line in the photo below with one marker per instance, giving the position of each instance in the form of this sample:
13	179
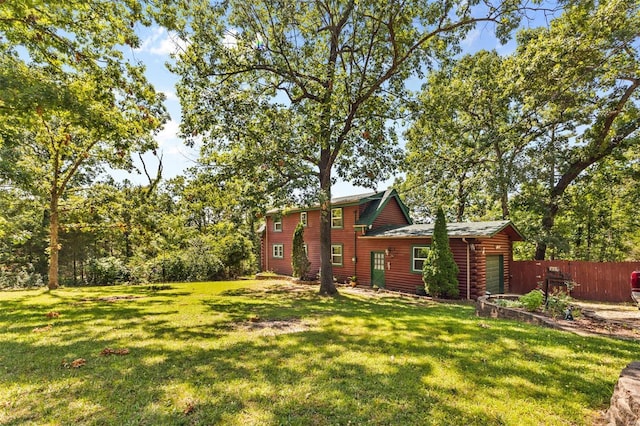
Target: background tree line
285	98
547	136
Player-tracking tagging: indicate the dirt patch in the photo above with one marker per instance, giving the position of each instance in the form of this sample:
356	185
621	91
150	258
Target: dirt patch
274	327
591	320
110	299
593	325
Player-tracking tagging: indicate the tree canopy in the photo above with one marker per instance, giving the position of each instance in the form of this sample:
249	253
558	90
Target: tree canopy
535	123
299	93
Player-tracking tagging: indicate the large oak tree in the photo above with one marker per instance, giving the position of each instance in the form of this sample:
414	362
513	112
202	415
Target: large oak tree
69	99
291	91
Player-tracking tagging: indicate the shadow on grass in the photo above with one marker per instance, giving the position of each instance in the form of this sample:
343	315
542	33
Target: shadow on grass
374	361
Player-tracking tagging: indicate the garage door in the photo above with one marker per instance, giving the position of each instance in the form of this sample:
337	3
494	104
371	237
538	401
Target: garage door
495	274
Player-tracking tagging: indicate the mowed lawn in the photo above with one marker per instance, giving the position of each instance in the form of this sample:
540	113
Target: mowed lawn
270	353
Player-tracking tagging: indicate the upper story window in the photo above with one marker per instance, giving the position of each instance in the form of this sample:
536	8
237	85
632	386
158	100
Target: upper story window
303	218
336	218
418	257
336	254
277	224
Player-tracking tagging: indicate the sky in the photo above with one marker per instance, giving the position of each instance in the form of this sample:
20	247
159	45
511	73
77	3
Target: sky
157	45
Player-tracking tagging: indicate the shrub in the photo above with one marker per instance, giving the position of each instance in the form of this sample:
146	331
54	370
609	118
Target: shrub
21	277
557	303
440	271
506	303
299	262
532	301
107	271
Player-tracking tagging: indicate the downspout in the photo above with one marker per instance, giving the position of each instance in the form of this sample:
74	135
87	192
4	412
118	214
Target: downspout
464	240
266	244
355	245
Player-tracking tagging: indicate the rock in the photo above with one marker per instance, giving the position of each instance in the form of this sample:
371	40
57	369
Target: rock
625	402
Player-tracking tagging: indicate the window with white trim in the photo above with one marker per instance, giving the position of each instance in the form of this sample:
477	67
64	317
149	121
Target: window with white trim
336	254
306	250
278	251
418	257
336	218
303	218
277	224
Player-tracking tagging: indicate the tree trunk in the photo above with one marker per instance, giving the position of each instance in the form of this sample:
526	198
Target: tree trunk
53	241
327	287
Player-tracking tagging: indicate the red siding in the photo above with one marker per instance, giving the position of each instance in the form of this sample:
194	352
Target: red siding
344	236
391	215
398	273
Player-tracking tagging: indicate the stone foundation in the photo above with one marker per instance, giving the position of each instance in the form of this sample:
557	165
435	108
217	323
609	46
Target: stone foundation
625	402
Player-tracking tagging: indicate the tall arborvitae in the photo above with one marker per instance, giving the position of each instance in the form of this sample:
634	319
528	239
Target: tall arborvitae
440	272
299	262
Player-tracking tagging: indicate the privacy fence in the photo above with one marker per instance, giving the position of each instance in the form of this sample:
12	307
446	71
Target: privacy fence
599	281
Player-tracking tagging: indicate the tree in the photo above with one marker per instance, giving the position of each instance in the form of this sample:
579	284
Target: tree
580	79
70	101
297	90
440	271
299	262
464	145
525	128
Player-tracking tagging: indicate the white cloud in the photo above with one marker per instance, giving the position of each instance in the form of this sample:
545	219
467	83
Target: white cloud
168	139
471	38
163	43
230	40
170	95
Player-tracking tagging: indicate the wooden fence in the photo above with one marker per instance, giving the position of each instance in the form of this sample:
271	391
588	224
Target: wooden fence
603	282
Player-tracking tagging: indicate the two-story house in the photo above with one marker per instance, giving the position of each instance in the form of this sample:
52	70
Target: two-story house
374	238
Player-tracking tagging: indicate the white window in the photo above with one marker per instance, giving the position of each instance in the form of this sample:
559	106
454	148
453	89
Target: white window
278	251
306	250
418	256
336	254
277	224
336	218
303	218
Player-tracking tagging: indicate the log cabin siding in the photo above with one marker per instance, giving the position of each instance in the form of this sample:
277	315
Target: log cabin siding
344	236
500	244
399	274
397	243
391	215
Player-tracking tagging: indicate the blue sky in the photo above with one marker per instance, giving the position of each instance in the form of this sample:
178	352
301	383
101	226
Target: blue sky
155	50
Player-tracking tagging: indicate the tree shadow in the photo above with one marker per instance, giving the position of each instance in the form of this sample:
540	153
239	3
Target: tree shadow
368	361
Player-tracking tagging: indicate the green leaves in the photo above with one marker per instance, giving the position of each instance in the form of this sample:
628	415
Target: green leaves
440	271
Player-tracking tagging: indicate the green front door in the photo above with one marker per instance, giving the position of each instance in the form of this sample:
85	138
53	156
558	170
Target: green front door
377	269
495	274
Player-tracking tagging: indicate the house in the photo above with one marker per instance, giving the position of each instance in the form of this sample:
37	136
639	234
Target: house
374	238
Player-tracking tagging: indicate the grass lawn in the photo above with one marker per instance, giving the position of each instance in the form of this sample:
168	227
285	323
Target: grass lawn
249	352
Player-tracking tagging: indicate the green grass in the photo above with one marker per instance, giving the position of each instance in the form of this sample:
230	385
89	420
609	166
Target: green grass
195	359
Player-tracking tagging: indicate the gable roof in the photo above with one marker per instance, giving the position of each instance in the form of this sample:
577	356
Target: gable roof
455	230
377	204
377	200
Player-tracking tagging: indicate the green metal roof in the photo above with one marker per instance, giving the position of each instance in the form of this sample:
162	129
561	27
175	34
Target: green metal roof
378	201
455	230
377	205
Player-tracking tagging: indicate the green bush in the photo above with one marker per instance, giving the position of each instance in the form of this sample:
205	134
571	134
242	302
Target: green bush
167	268
557	303
299	262
506	303
107	271
532	301
21	277
440	271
